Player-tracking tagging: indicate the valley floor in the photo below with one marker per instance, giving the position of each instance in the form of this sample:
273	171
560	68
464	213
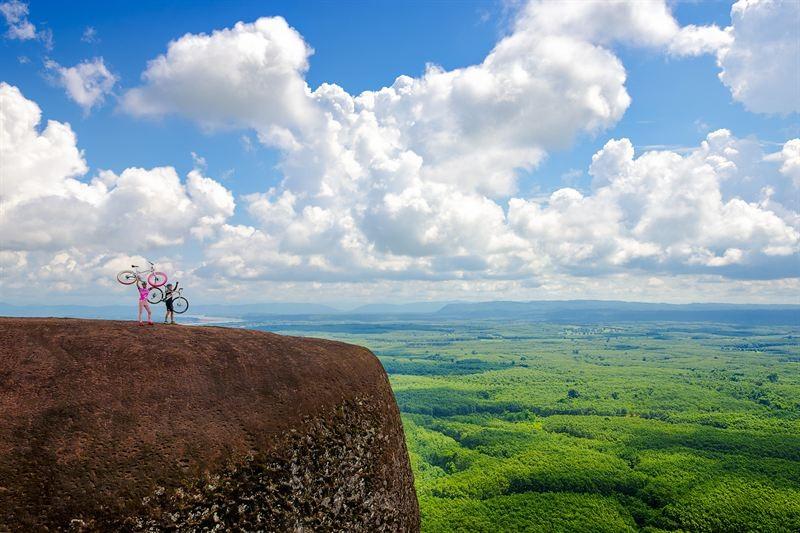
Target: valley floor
552	427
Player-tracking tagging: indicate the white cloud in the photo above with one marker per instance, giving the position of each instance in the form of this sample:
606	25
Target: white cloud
409	181
46	205
198	161
90	35
20	28
761	66
16	15
665	211
662	211
694	40
789	157
62	276
643	23
46	36
212	203
474	126
412	181
759	53
87	83
34	163
247	144
250	74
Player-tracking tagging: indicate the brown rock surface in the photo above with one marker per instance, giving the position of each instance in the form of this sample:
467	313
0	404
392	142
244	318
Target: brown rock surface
109	425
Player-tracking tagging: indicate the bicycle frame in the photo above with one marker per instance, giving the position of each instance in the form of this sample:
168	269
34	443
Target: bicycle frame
177	293
149	275
139	273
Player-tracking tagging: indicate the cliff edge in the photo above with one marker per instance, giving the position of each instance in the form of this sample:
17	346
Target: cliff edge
112	426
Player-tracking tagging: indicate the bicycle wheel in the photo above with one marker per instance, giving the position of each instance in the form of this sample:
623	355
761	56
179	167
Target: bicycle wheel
127	277
155	295
180	305
157	279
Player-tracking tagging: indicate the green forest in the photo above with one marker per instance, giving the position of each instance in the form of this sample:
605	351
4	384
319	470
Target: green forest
636	427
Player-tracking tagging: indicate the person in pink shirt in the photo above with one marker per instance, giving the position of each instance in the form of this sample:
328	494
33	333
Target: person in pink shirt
143	303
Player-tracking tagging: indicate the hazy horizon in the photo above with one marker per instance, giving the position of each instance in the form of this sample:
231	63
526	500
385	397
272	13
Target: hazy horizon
357	304
399	308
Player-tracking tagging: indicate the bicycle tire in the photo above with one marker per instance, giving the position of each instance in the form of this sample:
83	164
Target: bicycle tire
157	279
180	305
155	295
127	277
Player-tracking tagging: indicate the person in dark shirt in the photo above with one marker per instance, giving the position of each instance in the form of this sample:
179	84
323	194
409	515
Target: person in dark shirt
168	296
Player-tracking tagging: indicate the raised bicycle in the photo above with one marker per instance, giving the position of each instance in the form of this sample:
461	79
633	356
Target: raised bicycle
154	278
179	303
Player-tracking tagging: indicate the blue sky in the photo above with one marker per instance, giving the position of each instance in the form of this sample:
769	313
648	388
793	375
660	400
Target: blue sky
676	100
360	46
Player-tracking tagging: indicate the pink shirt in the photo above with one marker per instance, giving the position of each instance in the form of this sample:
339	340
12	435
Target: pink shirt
143	293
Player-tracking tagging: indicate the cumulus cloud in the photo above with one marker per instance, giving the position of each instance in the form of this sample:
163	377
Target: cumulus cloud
692	40
647	23
418	180
412	181
696	213
87	83
758	54
554	77
761	64
789	158
476	126
35	163
250	74
663	210
48	210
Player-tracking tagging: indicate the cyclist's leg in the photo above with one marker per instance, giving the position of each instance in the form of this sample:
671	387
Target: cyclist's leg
140	311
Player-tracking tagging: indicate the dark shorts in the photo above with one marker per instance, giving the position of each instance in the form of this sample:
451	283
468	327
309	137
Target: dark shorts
168	301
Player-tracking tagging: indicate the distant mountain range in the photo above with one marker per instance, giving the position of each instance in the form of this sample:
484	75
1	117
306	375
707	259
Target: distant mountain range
419	307
567	311
602	311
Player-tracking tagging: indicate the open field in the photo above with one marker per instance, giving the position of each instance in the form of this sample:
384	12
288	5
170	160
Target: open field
637	426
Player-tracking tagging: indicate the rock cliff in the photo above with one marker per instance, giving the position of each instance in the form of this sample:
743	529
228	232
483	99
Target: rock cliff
112	426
